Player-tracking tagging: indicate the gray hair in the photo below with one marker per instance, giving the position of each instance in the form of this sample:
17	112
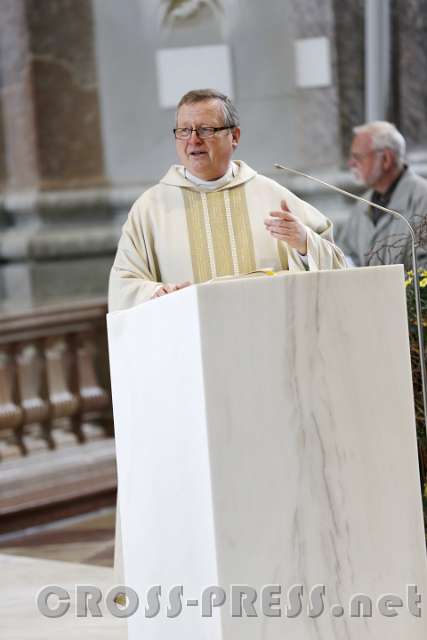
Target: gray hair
385	135
231	115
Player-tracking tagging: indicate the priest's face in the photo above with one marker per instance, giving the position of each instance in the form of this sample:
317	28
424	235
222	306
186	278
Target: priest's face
206	158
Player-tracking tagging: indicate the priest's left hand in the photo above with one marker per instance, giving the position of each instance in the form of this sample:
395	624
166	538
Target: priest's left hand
283	225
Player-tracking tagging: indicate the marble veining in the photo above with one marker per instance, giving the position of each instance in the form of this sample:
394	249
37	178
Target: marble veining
256	434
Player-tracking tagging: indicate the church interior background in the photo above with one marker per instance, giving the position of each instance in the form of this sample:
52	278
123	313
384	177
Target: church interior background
87	89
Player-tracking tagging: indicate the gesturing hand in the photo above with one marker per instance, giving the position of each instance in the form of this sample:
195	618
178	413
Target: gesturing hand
283	225
169	288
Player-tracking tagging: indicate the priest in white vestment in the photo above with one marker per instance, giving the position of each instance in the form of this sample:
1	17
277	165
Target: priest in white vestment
211	216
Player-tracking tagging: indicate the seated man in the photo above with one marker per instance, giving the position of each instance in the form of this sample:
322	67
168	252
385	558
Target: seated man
206	217
372	237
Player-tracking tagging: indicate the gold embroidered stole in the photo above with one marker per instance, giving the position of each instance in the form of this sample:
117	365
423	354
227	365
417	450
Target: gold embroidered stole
220	234
283	255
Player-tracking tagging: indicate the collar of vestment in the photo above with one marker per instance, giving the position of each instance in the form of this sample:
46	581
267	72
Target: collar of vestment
240	174
211	185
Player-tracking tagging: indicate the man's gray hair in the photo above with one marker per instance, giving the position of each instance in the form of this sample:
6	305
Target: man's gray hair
385	135
231	115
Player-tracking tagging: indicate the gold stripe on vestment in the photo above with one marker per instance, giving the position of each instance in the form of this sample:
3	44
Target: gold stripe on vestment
226	230
197	236
283	255
220	235
242	230
208	230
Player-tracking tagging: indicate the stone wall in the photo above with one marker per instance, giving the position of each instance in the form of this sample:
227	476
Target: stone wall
83	135
279	120
317	108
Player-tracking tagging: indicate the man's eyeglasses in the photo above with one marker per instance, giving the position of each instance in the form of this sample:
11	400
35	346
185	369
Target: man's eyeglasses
359	157
184	133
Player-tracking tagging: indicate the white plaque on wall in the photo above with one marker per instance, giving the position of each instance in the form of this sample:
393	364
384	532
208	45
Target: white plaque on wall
181	69
313	63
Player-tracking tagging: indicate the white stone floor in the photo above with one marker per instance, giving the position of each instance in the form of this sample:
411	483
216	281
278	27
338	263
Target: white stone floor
21	579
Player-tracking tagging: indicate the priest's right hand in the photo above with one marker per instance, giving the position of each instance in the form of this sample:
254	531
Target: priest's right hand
169	288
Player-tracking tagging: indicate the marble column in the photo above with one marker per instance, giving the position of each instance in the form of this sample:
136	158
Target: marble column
57	215
16	95
49	95
410	42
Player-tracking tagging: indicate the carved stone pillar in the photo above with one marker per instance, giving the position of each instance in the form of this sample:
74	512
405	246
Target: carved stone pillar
49	95
56	220
410	59
11	415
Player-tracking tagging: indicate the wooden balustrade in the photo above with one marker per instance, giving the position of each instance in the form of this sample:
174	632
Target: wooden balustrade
53	374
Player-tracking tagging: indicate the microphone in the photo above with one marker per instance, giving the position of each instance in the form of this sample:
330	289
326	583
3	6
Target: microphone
349	194
414	267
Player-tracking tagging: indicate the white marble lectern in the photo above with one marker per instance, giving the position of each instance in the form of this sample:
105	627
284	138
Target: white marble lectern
265	436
